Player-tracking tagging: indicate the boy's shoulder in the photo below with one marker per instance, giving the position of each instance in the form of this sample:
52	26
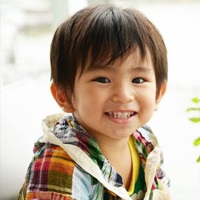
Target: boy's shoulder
51	168
55	158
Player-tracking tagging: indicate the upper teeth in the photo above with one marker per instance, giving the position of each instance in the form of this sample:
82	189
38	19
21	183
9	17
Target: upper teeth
121	114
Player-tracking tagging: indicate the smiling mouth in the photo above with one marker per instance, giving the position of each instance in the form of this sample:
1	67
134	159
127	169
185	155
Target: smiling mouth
121	115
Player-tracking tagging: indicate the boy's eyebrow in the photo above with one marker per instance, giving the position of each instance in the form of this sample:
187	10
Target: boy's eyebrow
99	67
142	69
110	68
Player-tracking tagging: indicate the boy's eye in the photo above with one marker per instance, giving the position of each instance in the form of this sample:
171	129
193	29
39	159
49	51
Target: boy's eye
138	80
102	80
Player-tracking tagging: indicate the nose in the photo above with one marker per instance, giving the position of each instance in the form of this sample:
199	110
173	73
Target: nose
123	93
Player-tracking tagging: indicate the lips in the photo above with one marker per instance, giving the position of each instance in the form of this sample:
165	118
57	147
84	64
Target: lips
121	115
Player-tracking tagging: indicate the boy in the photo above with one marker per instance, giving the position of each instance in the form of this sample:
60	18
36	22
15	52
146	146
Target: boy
109	69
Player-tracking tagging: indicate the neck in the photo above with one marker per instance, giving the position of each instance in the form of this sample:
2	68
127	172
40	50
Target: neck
119	151
112	144
114	149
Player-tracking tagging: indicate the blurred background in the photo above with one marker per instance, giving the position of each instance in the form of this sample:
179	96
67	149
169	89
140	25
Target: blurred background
26	30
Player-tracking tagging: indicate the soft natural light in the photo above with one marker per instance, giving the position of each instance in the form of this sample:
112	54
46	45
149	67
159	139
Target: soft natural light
27	28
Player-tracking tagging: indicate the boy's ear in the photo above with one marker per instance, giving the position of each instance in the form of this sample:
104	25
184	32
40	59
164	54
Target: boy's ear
61	98
160	94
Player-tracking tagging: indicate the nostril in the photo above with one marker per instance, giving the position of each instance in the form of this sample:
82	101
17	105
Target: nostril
126	98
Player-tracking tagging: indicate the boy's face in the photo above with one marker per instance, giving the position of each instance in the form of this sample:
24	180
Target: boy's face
112	102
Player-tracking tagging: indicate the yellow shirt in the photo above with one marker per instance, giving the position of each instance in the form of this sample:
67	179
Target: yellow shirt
135	165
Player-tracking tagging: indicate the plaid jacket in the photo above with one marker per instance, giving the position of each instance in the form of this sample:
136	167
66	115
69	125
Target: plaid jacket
68	164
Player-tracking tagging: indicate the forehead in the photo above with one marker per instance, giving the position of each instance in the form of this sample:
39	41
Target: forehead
133	59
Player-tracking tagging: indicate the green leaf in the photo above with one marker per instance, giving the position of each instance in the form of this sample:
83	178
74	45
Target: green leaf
196	142
195	100
198	159
193	109
195	119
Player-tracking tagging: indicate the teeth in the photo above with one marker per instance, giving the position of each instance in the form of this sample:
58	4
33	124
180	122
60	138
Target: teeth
121	115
